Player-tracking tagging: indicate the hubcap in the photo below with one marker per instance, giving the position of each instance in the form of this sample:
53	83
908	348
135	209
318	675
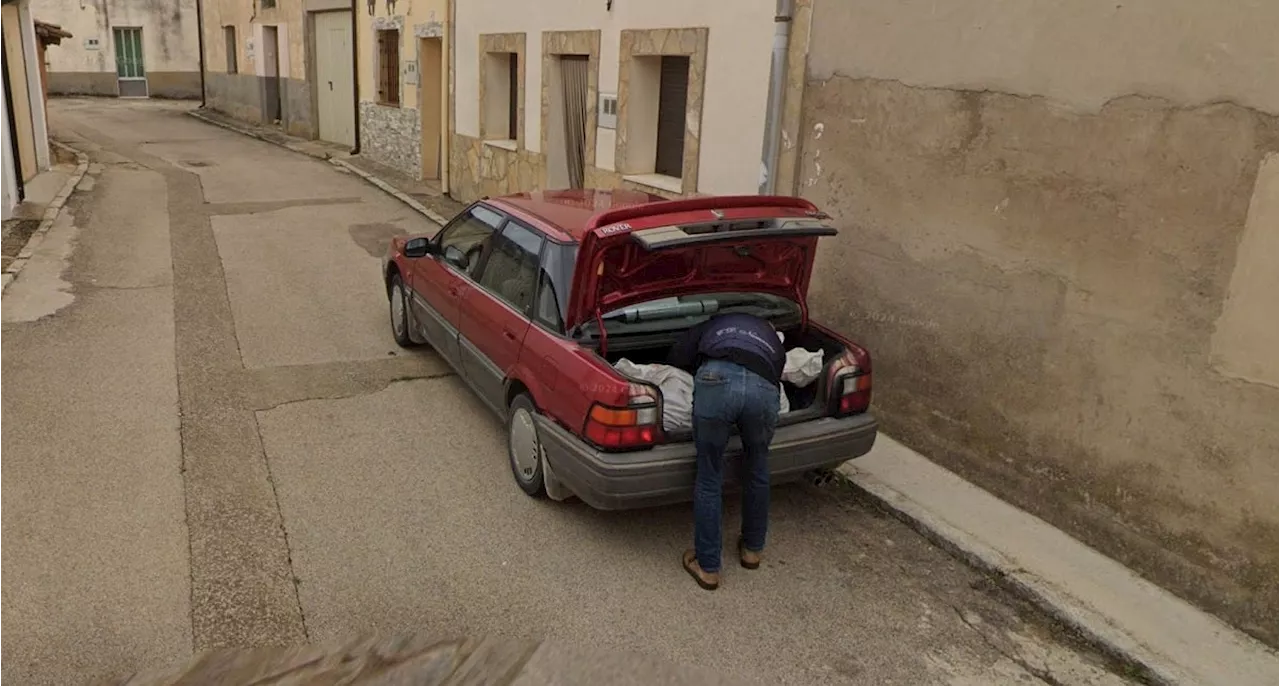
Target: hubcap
397	311
524	443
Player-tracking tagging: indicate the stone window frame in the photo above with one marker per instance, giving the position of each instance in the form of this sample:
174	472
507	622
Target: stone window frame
688	42
555	44
379	25
503	43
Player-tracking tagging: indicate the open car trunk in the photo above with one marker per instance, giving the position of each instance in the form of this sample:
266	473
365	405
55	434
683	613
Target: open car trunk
807	402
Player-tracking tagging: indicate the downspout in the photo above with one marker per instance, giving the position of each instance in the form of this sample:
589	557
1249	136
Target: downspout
200	30
777	88
13	131
355	72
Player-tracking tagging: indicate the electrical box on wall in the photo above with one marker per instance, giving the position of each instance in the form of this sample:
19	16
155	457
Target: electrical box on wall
607	112
91	44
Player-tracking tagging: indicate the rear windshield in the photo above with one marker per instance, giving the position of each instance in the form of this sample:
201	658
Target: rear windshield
685	311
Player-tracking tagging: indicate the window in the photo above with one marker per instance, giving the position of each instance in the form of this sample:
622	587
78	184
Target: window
129	53
463	241
502	93
511	272
673	93
268	4
229	34
554	281
389	67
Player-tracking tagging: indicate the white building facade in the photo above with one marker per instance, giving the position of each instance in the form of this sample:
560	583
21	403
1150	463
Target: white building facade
665	96
125	48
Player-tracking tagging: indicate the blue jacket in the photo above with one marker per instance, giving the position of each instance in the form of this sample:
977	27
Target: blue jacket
743	339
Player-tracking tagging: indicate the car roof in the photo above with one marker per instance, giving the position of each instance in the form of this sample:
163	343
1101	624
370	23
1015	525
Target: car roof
564	213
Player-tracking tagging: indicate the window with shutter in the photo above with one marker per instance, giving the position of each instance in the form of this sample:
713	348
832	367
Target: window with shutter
229	34
673	92
389	67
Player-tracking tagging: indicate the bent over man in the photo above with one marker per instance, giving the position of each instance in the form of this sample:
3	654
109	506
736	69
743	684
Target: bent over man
737	362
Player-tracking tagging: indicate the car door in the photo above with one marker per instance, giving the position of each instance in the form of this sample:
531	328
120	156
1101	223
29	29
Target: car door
495	314
440	280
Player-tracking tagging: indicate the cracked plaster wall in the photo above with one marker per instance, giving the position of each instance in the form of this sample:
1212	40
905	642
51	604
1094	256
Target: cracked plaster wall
1068	285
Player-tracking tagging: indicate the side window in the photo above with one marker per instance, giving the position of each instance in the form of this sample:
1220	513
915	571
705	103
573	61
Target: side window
554	279
511	272
464	240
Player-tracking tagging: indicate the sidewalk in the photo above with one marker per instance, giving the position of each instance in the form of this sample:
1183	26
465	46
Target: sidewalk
419	195
1109	605
1106	603
44	198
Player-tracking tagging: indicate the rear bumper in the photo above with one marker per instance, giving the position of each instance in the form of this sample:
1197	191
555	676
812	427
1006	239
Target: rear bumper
665	474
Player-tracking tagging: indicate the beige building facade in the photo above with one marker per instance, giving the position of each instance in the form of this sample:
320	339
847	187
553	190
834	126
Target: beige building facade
285	62
668	97
25	126
1059	239
404	105
125	48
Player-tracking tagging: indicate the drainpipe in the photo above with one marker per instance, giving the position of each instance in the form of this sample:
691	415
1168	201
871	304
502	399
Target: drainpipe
777	86
355	72
200	31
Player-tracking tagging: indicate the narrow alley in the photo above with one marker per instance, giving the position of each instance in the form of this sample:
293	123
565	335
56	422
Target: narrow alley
212	439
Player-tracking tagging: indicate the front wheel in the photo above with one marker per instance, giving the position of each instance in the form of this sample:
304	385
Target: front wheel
399	311
524	450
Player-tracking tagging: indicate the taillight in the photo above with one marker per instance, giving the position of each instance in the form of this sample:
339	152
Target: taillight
625	428
850	386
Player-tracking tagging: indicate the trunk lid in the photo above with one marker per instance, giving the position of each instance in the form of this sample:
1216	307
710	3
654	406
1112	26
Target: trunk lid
759	244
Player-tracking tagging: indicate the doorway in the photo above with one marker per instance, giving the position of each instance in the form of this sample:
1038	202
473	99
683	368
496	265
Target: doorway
131	74
270	75
335	78
431	106
567	122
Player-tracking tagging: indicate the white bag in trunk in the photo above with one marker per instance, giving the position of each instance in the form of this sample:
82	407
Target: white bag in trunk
677	390
676	386
802	367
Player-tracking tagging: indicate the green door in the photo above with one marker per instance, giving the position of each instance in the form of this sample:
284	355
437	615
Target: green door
130	73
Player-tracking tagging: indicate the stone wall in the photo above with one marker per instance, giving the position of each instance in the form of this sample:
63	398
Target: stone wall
177	85
82	83
392	136
241	96
478	170
1044	282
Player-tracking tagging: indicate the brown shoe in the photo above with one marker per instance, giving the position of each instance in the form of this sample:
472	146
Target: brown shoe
750	559
707	580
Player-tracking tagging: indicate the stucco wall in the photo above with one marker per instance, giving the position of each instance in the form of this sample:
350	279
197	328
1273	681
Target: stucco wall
1060	249
170	45
242	94
736	80
22	113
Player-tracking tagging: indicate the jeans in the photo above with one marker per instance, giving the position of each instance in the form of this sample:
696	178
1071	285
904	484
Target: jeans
725	395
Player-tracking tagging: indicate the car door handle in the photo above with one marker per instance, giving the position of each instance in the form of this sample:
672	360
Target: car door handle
455	291
511	335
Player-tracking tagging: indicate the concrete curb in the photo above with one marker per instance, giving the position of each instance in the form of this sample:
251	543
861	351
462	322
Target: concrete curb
51	213
390	190
244	131
336	161
1071	611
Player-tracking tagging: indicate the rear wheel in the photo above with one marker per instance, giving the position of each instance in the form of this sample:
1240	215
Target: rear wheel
399	311
524	450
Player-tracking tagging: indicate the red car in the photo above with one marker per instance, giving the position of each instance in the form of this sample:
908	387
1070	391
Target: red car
532	298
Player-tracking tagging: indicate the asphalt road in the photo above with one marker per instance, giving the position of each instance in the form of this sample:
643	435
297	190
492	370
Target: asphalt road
210	439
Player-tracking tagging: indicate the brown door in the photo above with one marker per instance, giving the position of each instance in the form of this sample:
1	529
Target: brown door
270	75
430	92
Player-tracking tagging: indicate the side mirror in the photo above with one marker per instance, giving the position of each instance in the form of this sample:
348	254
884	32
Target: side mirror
417	247
454	255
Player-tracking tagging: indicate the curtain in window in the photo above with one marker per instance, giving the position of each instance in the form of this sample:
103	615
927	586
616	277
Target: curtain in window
573	75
